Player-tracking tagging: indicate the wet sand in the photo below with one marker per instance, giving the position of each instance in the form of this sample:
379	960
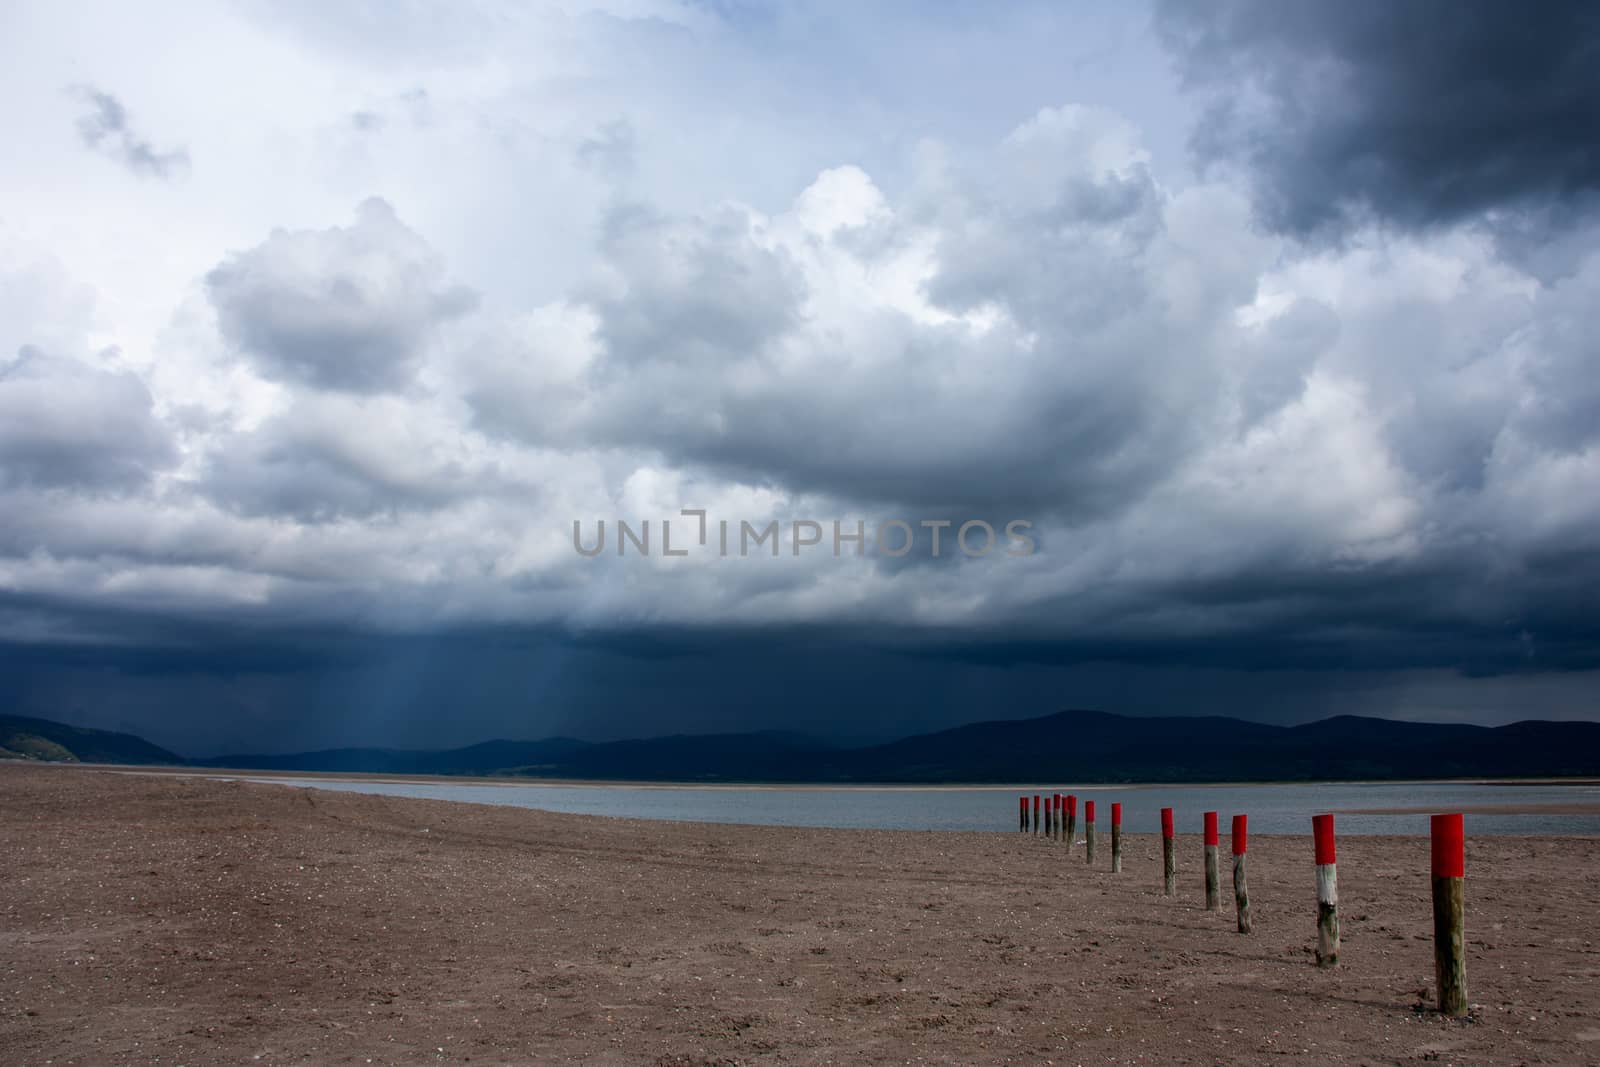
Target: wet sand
176	920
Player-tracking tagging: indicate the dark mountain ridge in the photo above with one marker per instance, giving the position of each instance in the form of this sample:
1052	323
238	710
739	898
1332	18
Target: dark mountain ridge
22	737
1078	746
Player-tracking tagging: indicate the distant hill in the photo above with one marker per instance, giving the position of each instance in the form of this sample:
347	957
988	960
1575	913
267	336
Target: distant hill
684	757
1091	746
487	757
1077	746
40	739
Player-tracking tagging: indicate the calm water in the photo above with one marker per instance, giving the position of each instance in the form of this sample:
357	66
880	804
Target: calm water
1273	809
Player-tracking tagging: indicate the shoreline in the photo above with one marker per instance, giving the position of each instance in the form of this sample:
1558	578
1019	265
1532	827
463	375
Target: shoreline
222	773
309	780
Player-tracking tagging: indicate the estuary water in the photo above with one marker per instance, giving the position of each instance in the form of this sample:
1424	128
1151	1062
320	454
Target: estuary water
1273	809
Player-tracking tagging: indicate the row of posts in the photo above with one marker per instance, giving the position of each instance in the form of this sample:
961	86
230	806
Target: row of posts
1056	817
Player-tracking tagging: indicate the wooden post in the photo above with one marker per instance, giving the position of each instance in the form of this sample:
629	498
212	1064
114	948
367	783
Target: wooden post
1449	944
1116	839
1213	894
1169	855
1241	891
1327	892
1072	818
1055	816
1088	832
1023	825
1036	813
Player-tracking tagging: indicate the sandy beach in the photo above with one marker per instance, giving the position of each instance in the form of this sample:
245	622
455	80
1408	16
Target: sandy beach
170	920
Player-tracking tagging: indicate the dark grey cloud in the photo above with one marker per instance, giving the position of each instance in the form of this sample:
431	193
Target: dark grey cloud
66	424
1306	470
1416	114
348	308
1046	368
107	129
694	292
314	464
1558	353
221	685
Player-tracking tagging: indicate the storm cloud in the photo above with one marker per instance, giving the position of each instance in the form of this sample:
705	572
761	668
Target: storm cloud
346	308
1417	114
1016	335
69	425
294	451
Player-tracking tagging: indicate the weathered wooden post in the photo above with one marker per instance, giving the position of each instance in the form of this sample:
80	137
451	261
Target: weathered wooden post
1072	818
1213	894
1327	892
1241	891
1449	945
1023	825
1055	816
1169	854
1116	839
1088	832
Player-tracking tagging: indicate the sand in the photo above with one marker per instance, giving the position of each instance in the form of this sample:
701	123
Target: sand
168	920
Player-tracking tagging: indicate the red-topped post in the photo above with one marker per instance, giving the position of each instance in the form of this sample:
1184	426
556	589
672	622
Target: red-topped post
1088	832
1449	945
1241	891
1327	892
1116	839
1055	815
1072	818
1212	841
1036	813
1169	854
1023	825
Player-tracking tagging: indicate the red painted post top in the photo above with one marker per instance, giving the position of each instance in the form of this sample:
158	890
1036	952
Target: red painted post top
1036	802
1055	802
1241	830
1116	815
1211	828
1088	811
1322	830
1166	822
1024	803
1072	804
1449	847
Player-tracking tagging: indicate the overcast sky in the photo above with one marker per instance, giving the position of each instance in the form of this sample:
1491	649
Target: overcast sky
321	324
